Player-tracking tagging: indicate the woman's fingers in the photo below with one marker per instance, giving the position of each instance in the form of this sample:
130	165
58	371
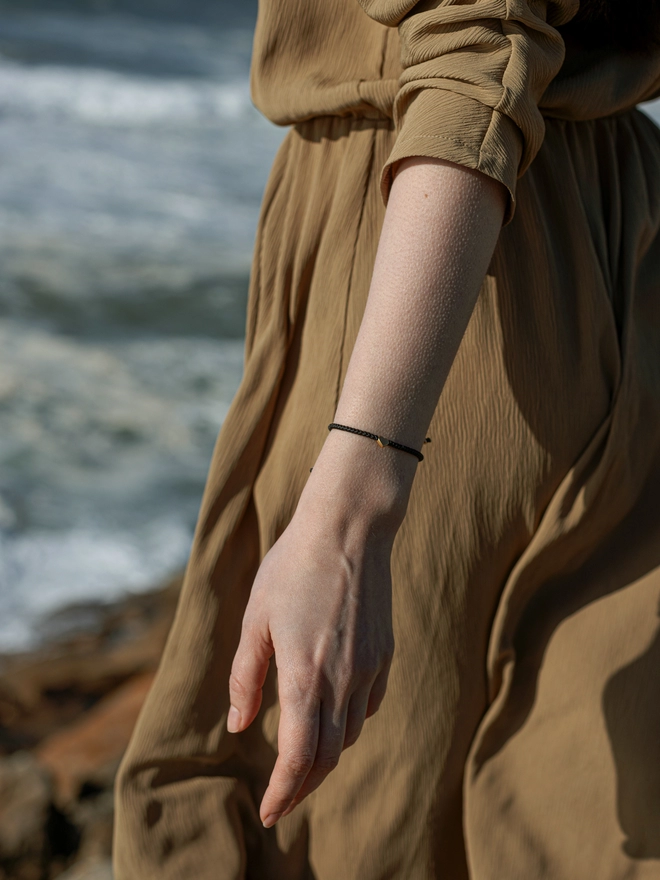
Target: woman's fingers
297	740
248	673
297	771
332	727
331	745
355	717
378	690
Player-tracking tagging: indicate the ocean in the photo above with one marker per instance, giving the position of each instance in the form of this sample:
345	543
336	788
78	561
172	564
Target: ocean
132	165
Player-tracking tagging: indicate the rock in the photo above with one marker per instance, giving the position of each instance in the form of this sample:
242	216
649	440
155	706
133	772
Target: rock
89	869
35	837
50	688
94	815
73	703
87	752
25	798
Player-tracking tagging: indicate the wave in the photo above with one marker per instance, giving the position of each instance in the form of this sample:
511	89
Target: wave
42	571
104	449
220	12
104	97
132	173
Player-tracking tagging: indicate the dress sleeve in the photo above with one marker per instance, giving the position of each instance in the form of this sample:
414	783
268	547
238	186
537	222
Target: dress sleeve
474	73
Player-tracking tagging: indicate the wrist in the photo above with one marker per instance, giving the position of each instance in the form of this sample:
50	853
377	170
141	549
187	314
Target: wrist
355	481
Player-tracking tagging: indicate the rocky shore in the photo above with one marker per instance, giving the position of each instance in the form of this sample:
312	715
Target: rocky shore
66	713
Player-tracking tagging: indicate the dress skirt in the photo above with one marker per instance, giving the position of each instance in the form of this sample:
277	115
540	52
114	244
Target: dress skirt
520	735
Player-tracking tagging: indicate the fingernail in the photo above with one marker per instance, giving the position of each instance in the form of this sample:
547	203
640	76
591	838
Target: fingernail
233	719
269	821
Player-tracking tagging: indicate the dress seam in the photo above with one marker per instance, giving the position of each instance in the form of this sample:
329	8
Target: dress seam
488	153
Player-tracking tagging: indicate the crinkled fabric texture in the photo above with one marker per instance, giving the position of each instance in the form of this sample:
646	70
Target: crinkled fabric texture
468	82
473	75
518	738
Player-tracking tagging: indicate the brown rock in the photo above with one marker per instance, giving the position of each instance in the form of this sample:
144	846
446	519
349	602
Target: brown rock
106	645
88	751
74	703
25	796
94	816
94	869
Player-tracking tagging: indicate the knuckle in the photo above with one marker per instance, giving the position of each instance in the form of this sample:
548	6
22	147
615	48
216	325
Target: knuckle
298	764
238	688
374	665
305	687
370	672
341	692
312	680
363	682
346	681
326	763
374	706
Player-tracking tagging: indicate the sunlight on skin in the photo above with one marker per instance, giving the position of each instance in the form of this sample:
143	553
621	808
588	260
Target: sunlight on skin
321	601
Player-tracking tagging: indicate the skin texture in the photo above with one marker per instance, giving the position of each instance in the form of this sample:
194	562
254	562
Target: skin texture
321	601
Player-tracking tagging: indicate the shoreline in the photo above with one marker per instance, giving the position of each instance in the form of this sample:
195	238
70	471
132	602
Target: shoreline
67	709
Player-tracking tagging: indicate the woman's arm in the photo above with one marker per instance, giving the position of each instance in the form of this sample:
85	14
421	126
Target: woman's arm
440	229
321	601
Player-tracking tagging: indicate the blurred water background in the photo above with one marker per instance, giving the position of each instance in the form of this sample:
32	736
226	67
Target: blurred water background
132	165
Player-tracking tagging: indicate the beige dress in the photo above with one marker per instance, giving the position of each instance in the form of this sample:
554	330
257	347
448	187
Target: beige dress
520	735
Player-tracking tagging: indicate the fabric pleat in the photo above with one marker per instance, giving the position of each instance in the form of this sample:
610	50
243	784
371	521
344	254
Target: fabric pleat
518	738
519	732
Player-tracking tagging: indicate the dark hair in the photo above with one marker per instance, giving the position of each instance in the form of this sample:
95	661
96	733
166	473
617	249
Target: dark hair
616	24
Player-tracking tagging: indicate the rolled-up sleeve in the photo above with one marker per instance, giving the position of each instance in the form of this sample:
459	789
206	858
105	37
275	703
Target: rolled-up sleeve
473	74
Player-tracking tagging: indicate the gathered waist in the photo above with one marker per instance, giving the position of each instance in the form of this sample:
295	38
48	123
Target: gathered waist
336	125
374	99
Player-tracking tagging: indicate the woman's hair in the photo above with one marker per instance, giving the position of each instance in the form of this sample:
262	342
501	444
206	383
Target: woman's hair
616	24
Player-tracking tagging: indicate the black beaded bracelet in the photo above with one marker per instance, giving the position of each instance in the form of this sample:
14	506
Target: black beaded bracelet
381	441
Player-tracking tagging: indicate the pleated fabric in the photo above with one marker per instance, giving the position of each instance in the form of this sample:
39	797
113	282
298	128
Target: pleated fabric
518	738
519	735
469	82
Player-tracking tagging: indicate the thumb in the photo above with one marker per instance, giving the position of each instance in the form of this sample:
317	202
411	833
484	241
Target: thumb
248	673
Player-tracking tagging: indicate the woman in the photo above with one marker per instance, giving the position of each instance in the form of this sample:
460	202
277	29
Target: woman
518	737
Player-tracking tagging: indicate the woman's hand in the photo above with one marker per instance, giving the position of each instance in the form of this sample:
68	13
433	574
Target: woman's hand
321	602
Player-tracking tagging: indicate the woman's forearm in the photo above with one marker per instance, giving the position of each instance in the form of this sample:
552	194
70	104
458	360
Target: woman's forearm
440	229
321	601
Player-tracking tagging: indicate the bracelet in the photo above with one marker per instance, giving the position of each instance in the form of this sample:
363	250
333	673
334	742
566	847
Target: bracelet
381	441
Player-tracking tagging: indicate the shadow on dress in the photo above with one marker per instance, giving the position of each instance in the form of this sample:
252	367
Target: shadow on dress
564	356
631	706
